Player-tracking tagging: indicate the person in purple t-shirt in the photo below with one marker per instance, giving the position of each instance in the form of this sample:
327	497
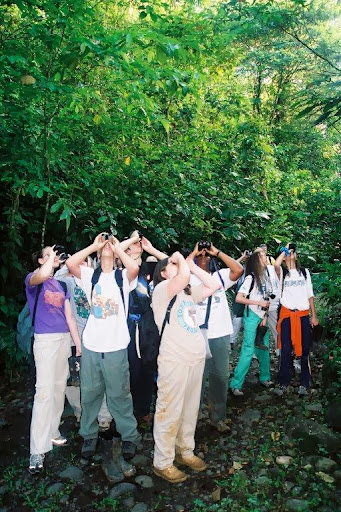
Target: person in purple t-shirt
51	349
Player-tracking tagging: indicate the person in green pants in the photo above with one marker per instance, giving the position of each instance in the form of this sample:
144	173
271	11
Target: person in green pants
255	294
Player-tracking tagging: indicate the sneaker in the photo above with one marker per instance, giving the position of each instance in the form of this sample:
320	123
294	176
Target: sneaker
267	383
103	426
36	463
237	392
192	461
128	449
89	447
302	391
221	426
297	365
280	390
171	474
60	441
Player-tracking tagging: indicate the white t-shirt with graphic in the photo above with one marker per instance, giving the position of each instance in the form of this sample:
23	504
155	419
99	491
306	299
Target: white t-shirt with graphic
256	294
297	290
106	329
220	323
182	341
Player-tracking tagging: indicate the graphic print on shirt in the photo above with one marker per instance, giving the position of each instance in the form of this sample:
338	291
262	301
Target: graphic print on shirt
54	298
187	316
298	282
102	307
81	302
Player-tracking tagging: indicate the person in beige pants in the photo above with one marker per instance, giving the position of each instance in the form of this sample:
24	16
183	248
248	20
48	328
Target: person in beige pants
180	365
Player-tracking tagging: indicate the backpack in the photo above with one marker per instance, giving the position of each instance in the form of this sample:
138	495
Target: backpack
239	312
149	338
25	324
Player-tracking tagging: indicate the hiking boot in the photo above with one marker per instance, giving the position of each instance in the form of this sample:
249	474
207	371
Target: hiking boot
60	441
192	461
280	390
222	427
128	449
261	331
171	474
237	392
302	391
36	463
267	383
89	447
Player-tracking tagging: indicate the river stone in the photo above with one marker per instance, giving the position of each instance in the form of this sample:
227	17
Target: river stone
263	399
54	488
121	489
288	486
129	502
310	435
296	505
326	465
263	480
72	473
144	481
284	460
140	461
250	415
317	407
140	507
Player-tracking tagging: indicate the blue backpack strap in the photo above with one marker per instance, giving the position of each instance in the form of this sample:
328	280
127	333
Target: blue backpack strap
63	285
95	278
167	315
219	274
119	281
207	316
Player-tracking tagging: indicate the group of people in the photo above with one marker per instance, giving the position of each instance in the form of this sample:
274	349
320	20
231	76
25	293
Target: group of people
99	312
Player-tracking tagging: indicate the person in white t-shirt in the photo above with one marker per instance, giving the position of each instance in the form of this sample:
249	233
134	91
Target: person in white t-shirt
293	323
104	367
180	364
218	330
254	293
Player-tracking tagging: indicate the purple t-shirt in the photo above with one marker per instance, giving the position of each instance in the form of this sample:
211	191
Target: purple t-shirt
50	316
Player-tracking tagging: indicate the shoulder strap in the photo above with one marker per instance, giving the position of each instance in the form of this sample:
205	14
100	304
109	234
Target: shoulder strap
167	315
39	287
219	274
119	281
208	311
95	278
251	288
304	272
63	285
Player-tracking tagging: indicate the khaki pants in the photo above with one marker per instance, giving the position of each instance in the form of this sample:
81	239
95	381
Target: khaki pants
177	408
51	353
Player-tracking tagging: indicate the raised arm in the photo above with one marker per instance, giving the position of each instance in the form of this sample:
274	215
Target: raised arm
278	262
150	249
131	265
181	279
74	262
46	270
134	237
235	267
210	284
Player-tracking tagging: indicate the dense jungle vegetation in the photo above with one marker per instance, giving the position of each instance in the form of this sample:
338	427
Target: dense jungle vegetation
185	119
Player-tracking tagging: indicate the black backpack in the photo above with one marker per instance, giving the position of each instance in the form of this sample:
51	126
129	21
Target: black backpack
241	307
149	336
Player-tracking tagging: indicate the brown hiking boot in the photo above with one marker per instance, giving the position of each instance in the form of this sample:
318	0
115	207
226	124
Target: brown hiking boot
192	461
171	474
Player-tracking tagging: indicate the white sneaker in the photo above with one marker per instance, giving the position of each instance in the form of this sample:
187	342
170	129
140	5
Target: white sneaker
280	390
267	383
36	463
297	365
302	391
237	392
59	441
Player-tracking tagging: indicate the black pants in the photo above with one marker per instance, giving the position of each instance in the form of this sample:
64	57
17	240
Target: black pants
284	374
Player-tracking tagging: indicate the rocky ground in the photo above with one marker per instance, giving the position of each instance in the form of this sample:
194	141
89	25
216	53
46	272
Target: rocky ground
278	456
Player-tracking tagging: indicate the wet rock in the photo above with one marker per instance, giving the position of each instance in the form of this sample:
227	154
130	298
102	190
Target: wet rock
250	416
216	494
284	460
121	489
54	488
263	480
263	399
72	473
180	508
144	481
113	471
326	465
296	505
317	407
140	507
310	435
140	461
129	502
288	486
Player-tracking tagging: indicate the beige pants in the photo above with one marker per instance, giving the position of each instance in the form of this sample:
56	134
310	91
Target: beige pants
51	353
272	324
177	407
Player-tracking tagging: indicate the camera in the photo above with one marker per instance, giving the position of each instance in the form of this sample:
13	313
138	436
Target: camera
266	298
59	249
63	256
248	253
105	236
204	245
293	247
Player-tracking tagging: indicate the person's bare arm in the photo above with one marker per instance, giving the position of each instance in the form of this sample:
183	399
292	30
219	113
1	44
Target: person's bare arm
278	264
45	271
134	237
314	319
181	280
130	264
241	299
70	319
74	262
235	267
150	249
210	284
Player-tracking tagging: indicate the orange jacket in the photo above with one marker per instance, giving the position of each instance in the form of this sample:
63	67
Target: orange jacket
295	325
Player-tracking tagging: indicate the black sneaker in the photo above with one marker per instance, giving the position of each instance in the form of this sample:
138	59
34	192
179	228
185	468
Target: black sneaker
128	449
36	463
89	448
